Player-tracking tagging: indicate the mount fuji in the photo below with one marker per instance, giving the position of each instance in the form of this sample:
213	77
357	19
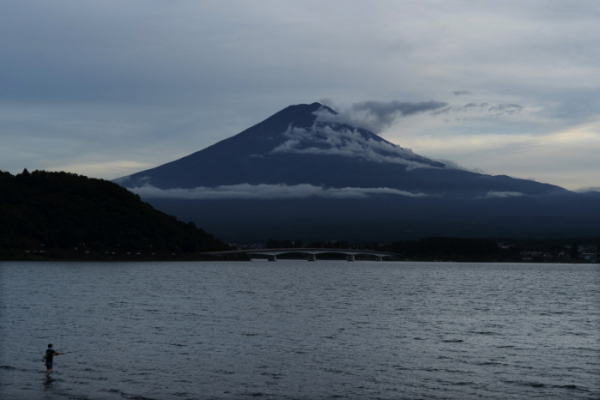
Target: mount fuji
309	173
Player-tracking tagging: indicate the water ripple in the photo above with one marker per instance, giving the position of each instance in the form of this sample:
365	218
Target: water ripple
297	330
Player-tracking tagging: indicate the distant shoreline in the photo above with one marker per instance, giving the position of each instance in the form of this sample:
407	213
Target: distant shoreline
200	258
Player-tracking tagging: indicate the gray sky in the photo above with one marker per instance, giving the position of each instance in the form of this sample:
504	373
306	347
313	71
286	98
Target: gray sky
109	88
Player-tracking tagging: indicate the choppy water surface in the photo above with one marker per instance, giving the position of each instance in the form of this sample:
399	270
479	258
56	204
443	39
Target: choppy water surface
299	330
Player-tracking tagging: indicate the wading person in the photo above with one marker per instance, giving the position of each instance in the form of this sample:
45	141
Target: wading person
49	357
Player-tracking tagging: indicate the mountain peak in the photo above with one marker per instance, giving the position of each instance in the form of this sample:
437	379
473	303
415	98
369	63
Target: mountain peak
298	115
314	130
308	167
309	144
298	143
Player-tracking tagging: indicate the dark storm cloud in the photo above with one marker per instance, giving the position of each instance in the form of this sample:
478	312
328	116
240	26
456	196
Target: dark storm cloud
506	109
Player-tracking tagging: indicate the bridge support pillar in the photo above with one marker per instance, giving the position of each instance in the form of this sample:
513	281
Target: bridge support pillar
378	258
350	257
273	258
312	257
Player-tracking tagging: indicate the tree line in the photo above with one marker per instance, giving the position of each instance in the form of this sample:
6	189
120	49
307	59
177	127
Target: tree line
69	212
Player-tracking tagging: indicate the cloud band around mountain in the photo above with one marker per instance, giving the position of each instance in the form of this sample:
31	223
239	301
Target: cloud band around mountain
266	192
376	116
323	140
496	194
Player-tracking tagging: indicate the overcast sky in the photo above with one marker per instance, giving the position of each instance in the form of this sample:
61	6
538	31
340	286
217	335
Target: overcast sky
109	88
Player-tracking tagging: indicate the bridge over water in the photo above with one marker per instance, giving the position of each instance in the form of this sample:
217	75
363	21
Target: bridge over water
311	253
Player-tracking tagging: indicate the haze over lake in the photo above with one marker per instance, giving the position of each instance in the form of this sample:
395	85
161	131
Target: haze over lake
298	330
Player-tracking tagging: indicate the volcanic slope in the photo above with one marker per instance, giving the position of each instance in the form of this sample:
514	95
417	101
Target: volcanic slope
294	147
303	173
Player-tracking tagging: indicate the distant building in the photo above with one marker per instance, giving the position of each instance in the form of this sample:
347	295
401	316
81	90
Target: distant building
530	255
589	256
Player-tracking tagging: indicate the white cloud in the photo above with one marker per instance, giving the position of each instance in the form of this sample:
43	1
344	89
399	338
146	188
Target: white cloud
493	193
376	116
264	191
453	165
589	189
565	157
107	168
143	180
324	140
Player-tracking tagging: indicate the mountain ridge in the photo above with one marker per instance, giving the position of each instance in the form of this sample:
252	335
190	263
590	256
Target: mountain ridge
301	175
293	147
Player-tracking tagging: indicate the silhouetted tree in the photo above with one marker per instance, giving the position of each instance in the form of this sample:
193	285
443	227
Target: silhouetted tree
574	251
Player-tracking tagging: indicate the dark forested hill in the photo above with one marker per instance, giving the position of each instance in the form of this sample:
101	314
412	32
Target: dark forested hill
58	210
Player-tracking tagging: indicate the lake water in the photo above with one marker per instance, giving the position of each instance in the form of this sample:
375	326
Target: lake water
300	330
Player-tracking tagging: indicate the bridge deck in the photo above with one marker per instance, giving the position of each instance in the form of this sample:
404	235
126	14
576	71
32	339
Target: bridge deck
313	251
